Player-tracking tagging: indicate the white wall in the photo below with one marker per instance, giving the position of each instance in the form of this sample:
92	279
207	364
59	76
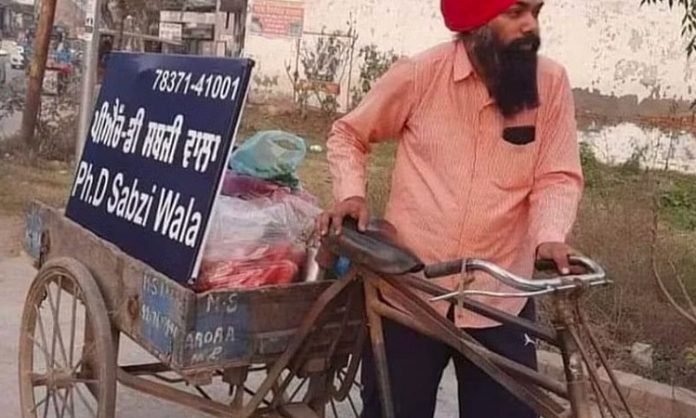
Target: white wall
610	46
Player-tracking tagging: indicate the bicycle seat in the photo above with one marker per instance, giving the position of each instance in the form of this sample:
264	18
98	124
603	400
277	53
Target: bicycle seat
375	248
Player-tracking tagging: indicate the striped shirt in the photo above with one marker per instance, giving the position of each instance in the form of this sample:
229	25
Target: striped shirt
467	182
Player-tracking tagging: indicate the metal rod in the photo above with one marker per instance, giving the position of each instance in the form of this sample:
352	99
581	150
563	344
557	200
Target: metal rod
535	330
511	295
174	395
504	363
572	360
594	377
379	353
351	373
455	337
37	70
304	331
603	360
89	73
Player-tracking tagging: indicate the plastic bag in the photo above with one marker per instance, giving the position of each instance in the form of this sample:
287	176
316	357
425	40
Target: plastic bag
247	187
270	155
256	242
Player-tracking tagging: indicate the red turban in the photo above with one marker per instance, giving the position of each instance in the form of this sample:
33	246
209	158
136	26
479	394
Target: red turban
465	15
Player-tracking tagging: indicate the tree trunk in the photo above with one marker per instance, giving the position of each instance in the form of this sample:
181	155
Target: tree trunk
37	71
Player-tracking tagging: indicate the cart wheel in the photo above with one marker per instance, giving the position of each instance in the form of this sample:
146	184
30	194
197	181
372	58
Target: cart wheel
67	364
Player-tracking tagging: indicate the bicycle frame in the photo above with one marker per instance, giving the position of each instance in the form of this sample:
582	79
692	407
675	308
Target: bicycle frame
384	294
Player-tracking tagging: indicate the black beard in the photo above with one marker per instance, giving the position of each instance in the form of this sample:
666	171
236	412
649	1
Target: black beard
510	71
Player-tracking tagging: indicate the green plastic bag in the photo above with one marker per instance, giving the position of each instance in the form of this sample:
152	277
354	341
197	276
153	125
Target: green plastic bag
270	155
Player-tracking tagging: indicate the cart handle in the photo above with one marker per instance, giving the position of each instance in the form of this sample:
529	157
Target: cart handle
595	274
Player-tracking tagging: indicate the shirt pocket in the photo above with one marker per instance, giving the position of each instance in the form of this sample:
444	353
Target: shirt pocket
512	166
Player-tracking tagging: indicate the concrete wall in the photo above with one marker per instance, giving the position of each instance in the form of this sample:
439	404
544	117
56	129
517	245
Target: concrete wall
71	15
619	56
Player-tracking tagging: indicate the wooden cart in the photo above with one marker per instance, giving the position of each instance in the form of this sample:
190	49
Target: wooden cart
304	339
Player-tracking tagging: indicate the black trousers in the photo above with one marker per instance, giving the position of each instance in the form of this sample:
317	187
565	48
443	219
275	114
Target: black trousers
416	363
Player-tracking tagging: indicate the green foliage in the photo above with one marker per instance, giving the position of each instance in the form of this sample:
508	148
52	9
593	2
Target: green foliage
590	165
323	65
677	192
678	203
690	356
374	64
688	21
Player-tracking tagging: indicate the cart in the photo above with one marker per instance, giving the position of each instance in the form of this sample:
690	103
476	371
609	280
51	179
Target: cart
306	339
88	294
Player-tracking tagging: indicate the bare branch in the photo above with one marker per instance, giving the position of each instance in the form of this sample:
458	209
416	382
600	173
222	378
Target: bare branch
682	287
689	316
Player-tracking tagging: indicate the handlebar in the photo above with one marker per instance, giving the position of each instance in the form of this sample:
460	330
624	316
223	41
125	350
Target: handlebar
595	276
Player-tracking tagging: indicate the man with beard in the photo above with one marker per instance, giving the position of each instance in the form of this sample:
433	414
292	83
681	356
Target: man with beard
487	167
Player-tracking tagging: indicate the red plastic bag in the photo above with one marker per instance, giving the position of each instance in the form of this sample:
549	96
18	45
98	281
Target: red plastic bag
256	242
272	266
251	274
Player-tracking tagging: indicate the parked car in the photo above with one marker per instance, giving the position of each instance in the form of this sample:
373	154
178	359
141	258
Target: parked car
17	60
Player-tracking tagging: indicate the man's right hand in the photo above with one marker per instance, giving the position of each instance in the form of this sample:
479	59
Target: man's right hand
354	207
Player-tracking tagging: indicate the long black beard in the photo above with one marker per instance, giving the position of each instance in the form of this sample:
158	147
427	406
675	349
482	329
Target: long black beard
510	71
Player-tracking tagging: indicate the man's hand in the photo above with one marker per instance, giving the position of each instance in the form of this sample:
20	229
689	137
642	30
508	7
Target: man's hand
558	252
355	207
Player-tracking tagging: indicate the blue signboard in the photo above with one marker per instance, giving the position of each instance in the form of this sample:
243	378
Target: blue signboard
154	156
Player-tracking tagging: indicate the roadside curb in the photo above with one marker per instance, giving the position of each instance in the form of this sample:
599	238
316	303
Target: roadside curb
649	398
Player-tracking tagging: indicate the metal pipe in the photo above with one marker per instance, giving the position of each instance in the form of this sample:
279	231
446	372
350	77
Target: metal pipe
594	376
578	384
603	359
89	73
535	330
504	363
510	295
401	296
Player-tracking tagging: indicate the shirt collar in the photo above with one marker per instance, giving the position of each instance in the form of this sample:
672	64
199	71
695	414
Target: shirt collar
462	64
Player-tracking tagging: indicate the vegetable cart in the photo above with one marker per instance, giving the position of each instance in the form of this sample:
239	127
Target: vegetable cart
305	339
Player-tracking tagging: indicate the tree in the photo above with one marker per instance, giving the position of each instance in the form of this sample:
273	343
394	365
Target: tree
688	21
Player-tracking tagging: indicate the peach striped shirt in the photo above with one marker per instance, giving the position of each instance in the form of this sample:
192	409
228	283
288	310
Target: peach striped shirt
459	189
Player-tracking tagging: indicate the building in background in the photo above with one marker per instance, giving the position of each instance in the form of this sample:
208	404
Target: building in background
204	27
622	59
70	14
15	17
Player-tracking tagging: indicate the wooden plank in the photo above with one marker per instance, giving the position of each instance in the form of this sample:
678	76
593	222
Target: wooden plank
254	325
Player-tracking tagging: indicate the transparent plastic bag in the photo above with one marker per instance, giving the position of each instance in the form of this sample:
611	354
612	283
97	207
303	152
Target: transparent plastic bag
270	155
256	242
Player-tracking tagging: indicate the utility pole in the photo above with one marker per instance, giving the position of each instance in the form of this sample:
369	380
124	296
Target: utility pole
37	69
89	73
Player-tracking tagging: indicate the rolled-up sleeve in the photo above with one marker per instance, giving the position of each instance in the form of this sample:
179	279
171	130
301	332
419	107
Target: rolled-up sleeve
381	116
558	181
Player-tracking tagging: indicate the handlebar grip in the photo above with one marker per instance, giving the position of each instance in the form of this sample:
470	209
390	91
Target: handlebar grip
447	268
